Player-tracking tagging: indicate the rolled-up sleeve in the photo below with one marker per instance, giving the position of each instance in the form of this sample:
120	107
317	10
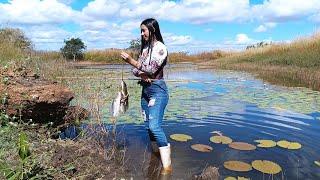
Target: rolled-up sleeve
158	56
136	72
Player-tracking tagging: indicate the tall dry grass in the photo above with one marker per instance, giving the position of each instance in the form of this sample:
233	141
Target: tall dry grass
113	56
11	45
293	64
107	55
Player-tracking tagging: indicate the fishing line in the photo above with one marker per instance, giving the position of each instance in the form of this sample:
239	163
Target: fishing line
122	71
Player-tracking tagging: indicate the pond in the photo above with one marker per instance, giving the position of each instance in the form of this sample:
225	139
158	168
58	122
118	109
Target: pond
202	101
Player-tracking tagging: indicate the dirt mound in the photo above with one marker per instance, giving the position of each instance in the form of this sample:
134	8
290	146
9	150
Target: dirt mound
28	97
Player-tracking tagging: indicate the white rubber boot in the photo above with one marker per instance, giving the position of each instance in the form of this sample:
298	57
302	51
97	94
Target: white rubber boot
165	154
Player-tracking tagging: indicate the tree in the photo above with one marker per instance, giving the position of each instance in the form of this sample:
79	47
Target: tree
135	44
16	38
73	49
258	45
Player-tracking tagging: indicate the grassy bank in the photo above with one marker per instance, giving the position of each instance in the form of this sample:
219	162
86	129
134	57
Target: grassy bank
50	158
294	64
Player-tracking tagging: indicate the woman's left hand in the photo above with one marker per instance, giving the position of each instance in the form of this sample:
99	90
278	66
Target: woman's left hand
125	56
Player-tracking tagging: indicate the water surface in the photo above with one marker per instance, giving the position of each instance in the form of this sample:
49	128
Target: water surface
237	104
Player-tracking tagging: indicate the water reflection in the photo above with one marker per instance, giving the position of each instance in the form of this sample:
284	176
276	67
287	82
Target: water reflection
70	132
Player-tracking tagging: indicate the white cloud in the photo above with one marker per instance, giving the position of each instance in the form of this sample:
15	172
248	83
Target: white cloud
102	8
265	27
270	24
35	12
109	23
68	2
280	10
243	39
94	25
176	40
46	37
261	28
315	17
195	11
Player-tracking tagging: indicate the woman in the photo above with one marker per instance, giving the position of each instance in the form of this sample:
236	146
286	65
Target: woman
154	97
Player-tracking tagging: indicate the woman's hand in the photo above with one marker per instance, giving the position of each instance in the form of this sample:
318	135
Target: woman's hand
126	57
145	78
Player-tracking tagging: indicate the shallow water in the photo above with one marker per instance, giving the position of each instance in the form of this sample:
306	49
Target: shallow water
242	108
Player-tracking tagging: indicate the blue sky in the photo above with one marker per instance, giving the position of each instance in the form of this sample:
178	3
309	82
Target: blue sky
187	25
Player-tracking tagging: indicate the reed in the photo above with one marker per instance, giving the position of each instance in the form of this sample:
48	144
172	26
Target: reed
107	55
113	56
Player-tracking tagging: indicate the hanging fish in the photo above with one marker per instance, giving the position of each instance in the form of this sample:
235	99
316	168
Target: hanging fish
124	103
115	107
121	103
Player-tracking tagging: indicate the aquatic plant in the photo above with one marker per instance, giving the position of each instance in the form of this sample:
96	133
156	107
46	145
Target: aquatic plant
202	147
266	143
266	166
289	145
237	166
180	137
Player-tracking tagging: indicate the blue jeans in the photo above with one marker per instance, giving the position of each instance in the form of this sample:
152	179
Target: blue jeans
154	99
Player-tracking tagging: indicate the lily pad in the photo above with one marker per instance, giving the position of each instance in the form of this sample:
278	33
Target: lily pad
242	146
202	148
237	166
266	143
242	178
265	166
317	163
289	145
180	137
230	178
221	139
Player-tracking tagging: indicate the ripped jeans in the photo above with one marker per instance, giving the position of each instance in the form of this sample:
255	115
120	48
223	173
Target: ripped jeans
154	99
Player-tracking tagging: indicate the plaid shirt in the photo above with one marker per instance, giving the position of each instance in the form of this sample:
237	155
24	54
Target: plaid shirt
152	64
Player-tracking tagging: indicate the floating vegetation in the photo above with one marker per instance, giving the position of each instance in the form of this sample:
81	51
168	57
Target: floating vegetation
238	178
221	139
201	147
230	178
242	146
289	145
180	137
294	100
267	167
317	163
237	166
266	143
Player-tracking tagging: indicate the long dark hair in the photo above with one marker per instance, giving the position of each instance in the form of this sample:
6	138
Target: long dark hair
154	32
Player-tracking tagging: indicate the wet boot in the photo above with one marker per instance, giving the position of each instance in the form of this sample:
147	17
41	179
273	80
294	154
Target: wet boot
165	154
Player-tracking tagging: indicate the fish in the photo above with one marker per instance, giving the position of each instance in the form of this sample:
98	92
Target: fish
121	103
115	107
124	104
